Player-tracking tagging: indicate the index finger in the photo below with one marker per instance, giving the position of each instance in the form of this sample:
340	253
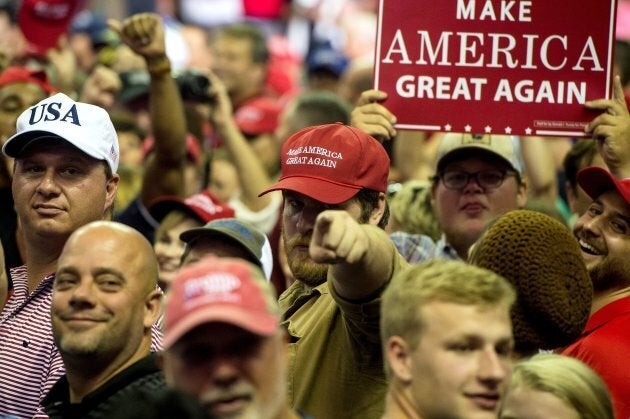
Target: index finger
371	96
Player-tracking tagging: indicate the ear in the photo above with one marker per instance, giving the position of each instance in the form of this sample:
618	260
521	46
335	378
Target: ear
152	308
521	194
434	186
571	195
399	358
379	209
111	187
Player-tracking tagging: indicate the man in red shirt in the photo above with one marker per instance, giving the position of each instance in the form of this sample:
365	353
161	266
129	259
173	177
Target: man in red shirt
603	233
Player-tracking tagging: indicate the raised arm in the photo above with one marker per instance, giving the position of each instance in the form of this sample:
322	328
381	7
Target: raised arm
252	174
164	169
361	255
611	129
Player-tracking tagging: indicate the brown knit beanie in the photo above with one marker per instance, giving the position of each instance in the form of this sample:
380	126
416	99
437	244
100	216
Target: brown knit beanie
542	259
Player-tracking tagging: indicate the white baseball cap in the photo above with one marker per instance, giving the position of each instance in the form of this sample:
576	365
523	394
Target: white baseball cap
87	127
454	146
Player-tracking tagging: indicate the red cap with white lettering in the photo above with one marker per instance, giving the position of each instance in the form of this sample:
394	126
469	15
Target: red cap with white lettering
331	163
87	127
223	290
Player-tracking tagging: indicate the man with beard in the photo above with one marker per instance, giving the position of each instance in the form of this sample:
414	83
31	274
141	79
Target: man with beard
102	311
333	182
224	344
603	233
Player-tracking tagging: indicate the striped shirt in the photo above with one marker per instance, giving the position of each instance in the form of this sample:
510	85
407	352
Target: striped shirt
30	363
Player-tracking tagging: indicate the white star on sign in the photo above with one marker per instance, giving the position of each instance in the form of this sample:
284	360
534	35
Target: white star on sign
467	128
447	127
488	129
508	130
528	131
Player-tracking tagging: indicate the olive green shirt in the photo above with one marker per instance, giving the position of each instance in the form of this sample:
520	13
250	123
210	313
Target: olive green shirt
336	361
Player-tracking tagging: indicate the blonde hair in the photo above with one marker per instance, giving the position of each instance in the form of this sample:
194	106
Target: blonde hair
411	210
437	280
568	379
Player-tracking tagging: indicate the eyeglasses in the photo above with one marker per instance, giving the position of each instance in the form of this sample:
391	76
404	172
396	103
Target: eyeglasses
487	179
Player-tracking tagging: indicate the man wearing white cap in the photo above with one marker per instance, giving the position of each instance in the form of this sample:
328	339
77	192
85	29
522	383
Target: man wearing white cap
224	343
66	157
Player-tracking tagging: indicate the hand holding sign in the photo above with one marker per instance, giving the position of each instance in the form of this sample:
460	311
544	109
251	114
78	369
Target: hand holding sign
337	238
612	130
372	117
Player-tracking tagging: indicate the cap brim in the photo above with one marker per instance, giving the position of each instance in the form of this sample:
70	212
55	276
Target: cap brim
315	188
259	323
16	145
161	207
195	233
465	152
597	180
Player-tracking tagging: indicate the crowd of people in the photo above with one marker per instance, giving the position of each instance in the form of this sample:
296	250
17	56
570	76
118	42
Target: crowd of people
246	234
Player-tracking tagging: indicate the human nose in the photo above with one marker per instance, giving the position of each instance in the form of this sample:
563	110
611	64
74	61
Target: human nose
589	224
82	294
306	221
492	368
48	185
472	183
224	370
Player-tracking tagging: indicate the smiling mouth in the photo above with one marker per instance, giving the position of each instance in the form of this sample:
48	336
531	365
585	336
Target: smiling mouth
485	401
587	248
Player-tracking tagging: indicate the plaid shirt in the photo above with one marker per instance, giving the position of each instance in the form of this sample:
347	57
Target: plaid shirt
416	248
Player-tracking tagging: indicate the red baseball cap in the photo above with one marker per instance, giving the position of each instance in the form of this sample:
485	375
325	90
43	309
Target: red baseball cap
16	74
202	206
44	21
226	290
258	116
597	180
331	163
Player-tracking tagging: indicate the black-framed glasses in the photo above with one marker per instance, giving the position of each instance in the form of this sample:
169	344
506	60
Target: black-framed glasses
487	179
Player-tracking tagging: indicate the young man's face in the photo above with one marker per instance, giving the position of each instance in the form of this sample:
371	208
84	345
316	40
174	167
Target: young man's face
233	63
462	362
603	233
232	372
464	213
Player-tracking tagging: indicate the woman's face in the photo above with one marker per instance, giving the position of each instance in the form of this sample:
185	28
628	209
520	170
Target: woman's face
527	403
169	249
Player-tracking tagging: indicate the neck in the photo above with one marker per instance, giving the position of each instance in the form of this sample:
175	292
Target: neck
86	375
603	298
41	260
41	255
398	404
288	413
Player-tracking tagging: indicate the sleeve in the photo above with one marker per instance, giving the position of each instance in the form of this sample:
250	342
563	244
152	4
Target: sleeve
362	318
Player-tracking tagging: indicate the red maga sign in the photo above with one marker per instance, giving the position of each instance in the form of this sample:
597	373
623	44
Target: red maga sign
519	67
